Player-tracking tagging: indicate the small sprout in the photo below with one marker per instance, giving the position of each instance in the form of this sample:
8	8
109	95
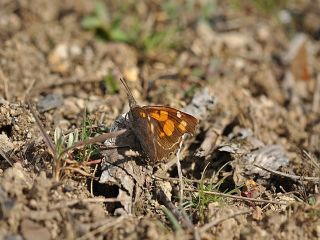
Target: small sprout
91	23
174	222
110	84
70	140
190	91
99	18
116	34
114	27
73	138
312	201
57	135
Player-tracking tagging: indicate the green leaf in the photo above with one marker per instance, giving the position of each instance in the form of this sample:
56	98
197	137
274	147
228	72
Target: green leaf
91	23
190	91
57	135
101	11
99	18
118	35
70	140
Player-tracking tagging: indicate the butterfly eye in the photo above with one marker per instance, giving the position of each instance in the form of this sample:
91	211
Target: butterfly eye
142	114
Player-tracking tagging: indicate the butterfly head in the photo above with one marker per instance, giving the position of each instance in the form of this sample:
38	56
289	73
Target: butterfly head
132	101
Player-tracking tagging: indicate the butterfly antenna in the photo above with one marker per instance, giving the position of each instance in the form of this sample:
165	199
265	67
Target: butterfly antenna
132	101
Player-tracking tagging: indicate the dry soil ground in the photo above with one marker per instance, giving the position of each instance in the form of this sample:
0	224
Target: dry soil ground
249	71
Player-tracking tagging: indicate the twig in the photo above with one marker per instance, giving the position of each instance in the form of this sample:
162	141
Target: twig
5	157
208	143
74	169
169	165
181	216
209	225
312	159
92	179
88	163
100	138
180	175
85	163
295	177
175	224
316	96
172	179
237	197
177	179
5	85
45	136
28	90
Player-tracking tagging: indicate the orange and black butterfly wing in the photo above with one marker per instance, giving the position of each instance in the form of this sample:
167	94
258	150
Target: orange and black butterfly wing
167	126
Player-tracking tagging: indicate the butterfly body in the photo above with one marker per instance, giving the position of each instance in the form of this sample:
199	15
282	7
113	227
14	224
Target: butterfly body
159	129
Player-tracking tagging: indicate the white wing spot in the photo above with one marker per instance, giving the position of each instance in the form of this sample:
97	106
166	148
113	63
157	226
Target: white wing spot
179	114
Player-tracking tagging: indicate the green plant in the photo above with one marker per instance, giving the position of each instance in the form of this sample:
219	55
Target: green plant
174	222
191	91
62	143
89	150
312	200
158	39
65	143
202	199
123	26
111	84
105	27
207	9
267	7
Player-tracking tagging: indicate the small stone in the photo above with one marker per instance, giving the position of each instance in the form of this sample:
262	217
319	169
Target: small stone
33	204
50	101
131	74
58	59
263	33
31	120
13	237
5	144
71	107
75	50
68	188
34	231
29	135
285	17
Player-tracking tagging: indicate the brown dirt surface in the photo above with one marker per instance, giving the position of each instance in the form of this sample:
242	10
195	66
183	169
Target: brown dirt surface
247	70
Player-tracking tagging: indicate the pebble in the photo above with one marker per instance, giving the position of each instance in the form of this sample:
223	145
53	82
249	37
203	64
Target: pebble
5	144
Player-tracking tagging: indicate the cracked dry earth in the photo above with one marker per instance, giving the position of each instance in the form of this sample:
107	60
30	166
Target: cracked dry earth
249	74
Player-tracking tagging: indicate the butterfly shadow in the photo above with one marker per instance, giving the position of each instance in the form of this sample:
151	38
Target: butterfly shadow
125	172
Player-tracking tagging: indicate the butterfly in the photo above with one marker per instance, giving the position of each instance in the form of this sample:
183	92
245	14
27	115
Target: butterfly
159	129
